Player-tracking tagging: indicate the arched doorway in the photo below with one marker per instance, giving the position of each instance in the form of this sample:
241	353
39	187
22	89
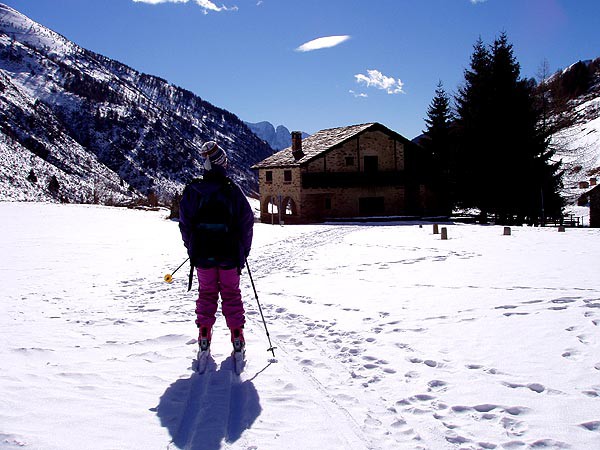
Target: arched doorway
279	209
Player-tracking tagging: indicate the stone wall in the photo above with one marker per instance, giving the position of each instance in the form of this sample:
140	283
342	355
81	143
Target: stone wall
344	203
389	152
279	191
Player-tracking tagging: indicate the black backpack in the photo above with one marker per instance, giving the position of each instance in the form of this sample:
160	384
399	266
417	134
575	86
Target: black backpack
214	238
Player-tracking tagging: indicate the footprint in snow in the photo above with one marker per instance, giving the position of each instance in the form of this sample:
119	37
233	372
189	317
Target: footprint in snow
595	303
535	387
591	426
593	392
427	362
570	353
437	385
454	438
473	366
514	427
485	408
583	339
565	300
517	410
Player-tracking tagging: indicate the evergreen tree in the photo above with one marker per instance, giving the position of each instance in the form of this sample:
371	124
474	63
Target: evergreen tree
438	147
32	177
53	185
505	166
472	105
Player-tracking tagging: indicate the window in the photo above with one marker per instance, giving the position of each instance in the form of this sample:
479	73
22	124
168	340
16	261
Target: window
287	176
349	161
371	164
269	176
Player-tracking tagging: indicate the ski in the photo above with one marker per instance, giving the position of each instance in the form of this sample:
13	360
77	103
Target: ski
202	361
239	361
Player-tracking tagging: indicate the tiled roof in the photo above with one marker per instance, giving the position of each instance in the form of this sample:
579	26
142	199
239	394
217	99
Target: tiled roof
313	146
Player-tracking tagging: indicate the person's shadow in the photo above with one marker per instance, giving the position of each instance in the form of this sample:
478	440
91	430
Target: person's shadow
202	410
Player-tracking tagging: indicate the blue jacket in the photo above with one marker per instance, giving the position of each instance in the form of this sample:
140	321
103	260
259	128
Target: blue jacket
239	238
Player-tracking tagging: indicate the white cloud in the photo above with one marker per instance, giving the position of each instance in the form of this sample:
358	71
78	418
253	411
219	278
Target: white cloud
478	1
358	94
206	5
322	42
378	80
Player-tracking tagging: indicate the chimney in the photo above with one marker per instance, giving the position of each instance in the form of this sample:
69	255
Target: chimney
297	152
593	181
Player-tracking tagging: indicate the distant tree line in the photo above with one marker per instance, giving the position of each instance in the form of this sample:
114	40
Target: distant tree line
489	145
575	81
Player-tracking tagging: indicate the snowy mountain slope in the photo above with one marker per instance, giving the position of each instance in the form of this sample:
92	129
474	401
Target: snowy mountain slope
581	149
141	128
579	144
386	336
28	164
278	138
22	29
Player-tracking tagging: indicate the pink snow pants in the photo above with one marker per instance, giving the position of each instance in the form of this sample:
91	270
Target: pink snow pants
215	281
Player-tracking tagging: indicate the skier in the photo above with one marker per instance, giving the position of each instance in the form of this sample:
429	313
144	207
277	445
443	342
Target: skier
216	223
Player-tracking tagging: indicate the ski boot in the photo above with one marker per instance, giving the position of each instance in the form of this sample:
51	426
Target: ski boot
237	339
239	350
204	338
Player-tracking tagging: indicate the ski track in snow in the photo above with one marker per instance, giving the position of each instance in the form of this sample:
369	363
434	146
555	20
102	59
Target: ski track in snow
337	399
348	368
359	364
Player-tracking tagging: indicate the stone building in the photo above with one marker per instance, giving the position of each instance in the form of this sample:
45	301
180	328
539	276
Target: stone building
593	199
356	171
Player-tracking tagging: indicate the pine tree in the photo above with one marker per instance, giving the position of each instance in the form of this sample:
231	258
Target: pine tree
504	162
438	147
472	104
53	185
32	177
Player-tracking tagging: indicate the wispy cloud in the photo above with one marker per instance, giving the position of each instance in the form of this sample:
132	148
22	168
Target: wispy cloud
206	5
478	1
358	94
376	79
322	42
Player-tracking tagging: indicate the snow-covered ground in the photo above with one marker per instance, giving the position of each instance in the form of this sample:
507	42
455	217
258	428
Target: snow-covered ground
387	337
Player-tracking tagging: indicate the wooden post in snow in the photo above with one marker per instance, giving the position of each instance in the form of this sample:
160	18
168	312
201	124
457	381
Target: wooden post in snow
444	234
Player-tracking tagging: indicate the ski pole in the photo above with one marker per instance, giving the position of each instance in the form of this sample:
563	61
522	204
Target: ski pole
169	276
271	348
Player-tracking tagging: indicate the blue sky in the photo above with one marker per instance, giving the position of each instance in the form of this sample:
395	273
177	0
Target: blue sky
315	64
